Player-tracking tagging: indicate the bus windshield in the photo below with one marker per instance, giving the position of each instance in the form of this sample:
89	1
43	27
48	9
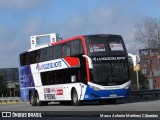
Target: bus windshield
108	55
113	73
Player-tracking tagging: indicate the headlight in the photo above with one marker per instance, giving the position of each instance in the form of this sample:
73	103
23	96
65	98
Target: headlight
126	87
95	88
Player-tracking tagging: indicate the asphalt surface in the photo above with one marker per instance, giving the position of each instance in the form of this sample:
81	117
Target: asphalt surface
94	109
136	105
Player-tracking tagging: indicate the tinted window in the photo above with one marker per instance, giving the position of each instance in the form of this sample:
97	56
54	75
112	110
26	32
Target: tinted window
50	53
77	47
103	46
53	52
96	46
113	73
23	59
63	76
57	51
30	58
66	50
36	56
43	55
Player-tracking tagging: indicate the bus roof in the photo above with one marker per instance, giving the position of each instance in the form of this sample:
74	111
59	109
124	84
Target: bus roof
101	35
72	38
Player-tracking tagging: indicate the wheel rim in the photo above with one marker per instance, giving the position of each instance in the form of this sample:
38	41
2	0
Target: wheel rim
31	99
75	98
37	99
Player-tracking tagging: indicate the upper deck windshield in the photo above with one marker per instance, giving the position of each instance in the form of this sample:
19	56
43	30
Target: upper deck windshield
102	46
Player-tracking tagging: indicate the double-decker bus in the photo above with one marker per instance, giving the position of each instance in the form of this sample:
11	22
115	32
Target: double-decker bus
77	69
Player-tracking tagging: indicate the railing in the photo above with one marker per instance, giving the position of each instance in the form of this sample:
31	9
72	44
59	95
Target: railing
146	93
7	100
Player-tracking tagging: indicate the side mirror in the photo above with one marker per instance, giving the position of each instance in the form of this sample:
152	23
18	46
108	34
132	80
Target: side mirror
90	65
135	59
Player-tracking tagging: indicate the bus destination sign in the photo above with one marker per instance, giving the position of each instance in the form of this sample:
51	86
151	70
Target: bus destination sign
103	59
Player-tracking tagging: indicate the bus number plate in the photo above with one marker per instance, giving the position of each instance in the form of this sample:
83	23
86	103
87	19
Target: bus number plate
113	95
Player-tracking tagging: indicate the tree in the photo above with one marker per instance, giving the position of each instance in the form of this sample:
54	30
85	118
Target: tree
148	33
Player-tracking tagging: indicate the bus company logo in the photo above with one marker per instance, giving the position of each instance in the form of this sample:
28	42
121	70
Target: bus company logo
53	90
95	59
59	92
51	65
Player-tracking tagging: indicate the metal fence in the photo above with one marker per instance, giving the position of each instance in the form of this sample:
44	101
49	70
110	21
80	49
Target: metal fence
7	100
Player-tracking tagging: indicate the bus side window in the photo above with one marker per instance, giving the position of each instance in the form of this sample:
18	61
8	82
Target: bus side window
43	55
56	78
57	52
50	53
23	59
26	59
35	56
38	55
66	50
77	47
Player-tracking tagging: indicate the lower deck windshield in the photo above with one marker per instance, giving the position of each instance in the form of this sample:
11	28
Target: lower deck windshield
112	73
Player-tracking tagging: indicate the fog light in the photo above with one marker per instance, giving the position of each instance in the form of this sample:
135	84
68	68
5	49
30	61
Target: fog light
95	88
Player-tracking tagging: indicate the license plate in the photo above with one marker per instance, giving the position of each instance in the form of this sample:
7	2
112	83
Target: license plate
113	95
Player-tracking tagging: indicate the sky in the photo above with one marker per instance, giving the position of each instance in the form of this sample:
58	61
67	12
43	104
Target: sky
20	19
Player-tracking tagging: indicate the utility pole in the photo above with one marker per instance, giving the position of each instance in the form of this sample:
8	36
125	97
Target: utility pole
137	68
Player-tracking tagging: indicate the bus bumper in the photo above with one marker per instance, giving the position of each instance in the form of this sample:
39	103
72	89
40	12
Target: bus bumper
92	94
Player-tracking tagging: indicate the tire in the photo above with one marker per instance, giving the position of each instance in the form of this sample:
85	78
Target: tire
75	100
32	99
40	103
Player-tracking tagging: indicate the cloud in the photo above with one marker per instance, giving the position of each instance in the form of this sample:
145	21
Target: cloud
103	19
32	17
21	4
9	46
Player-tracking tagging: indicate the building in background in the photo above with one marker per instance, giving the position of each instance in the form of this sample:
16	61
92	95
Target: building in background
151	58
10	77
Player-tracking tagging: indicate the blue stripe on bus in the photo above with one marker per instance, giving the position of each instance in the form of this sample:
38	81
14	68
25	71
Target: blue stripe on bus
26	80
92	94
65	62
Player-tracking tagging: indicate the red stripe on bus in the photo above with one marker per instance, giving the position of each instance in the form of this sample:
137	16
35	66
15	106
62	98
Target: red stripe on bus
72	61
87	65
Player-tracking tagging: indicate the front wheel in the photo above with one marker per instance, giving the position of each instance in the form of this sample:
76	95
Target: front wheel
32	99
75	100
40	103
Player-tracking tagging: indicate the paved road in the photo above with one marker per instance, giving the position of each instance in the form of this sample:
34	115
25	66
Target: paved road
140	107
143	105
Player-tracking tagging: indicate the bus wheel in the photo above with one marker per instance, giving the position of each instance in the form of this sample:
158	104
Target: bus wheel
32	99
40	103
75	100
